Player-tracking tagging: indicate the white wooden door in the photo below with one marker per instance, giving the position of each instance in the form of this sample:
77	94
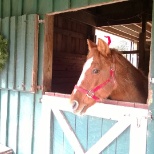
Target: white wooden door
135	118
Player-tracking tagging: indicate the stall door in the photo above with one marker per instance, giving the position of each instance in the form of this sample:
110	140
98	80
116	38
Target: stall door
104	129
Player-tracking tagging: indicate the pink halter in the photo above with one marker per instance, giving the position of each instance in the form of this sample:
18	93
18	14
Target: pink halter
91	93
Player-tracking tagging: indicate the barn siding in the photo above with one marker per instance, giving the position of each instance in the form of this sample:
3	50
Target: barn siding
18	71
19	121
20	7
22	110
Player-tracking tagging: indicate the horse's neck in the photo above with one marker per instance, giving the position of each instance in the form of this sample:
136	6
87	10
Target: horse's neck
131	86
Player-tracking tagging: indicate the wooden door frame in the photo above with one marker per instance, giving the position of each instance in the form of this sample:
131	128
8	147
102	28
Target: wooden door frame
48	53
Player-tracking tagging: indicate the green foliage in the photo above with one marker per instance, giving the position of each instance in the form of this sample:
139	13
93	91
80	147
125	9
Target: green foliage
3	52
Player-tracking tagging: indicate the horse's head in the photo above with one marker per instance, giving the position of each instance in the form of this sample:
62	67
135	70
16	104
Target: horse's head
97	78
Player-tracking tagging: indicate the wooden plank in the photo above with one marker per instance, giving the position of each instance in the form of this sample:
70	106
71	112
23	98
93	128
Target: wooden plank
4	106
20	61
5	33
79	3
13	115
48	53
112	134
45	145
106	125
72	122
138	134
58	138
118	33
114	114
25	138
12	56
81	130
29	7
16	9
45	6
94	131
7	11
31	64
68	131
61	5
82	16
124	140
36	125
150	136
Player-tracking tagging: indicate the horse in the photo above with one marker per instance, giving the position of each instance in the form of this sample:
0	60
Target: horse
107	74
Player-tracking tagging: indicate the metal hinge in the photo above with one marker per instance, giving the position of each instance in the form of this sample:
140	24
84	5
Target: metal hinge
41	21
151	80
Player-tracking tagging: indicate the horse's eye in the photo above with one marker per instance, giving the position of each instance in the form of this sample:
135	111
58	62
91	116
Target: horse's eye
95	71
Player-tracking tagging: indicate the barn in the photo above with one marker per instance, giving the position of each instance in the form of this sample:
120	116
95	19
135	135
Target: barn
47	49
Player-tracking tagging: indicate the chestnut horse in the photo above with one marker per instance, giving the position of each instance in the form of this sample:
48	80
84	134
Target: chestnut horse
107	74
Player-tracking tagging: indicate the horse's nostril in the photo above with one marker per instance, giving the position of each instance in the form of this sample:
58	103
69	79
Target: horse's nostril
75	104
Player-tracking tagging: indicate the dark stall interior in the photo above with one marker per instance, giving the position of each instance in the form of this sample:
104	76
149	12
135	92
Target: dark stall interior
128	19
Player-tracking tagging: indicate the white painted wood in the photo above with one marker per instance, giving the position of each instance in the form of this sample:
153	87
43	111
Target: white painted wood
68	132
110	135
126	116
45	126
100	110
138	133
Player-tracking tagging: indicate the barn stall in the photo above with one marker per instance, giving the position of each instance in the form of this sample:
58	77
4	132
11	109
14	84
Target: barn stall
47	63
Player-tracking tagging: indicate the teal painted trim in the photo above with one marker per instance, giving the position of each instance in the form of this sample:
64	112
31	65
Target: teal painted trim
6	8
98	1
26	113
17	8
12	54
82	130
58	138
150	134
106	125
61	5
36	125
1	9
29	51
94	130
4	117
122	143
21	45
45	6
13	120
29	6
40	46
79	3
71	119
5	32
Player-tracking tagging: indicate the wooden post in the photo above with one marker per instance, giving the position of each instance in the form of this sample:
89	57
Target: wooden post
150	132
48	53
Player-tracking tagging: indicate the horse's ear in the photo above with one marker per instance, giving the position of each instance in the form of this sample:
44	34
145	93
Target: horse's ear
103	47
91	44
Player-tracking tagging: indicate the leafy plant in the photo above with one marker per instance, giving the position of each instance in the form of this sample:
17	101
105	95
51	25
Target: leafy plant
3	52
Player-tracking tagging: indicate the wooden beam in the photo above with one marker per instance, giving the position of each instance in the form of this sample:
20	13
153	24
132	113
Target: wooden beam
118	33
82	16
126	30
48	53
35	58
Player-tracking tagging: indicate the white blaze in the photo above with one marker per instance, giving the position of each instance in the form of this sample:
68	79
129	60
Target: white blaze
87	65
